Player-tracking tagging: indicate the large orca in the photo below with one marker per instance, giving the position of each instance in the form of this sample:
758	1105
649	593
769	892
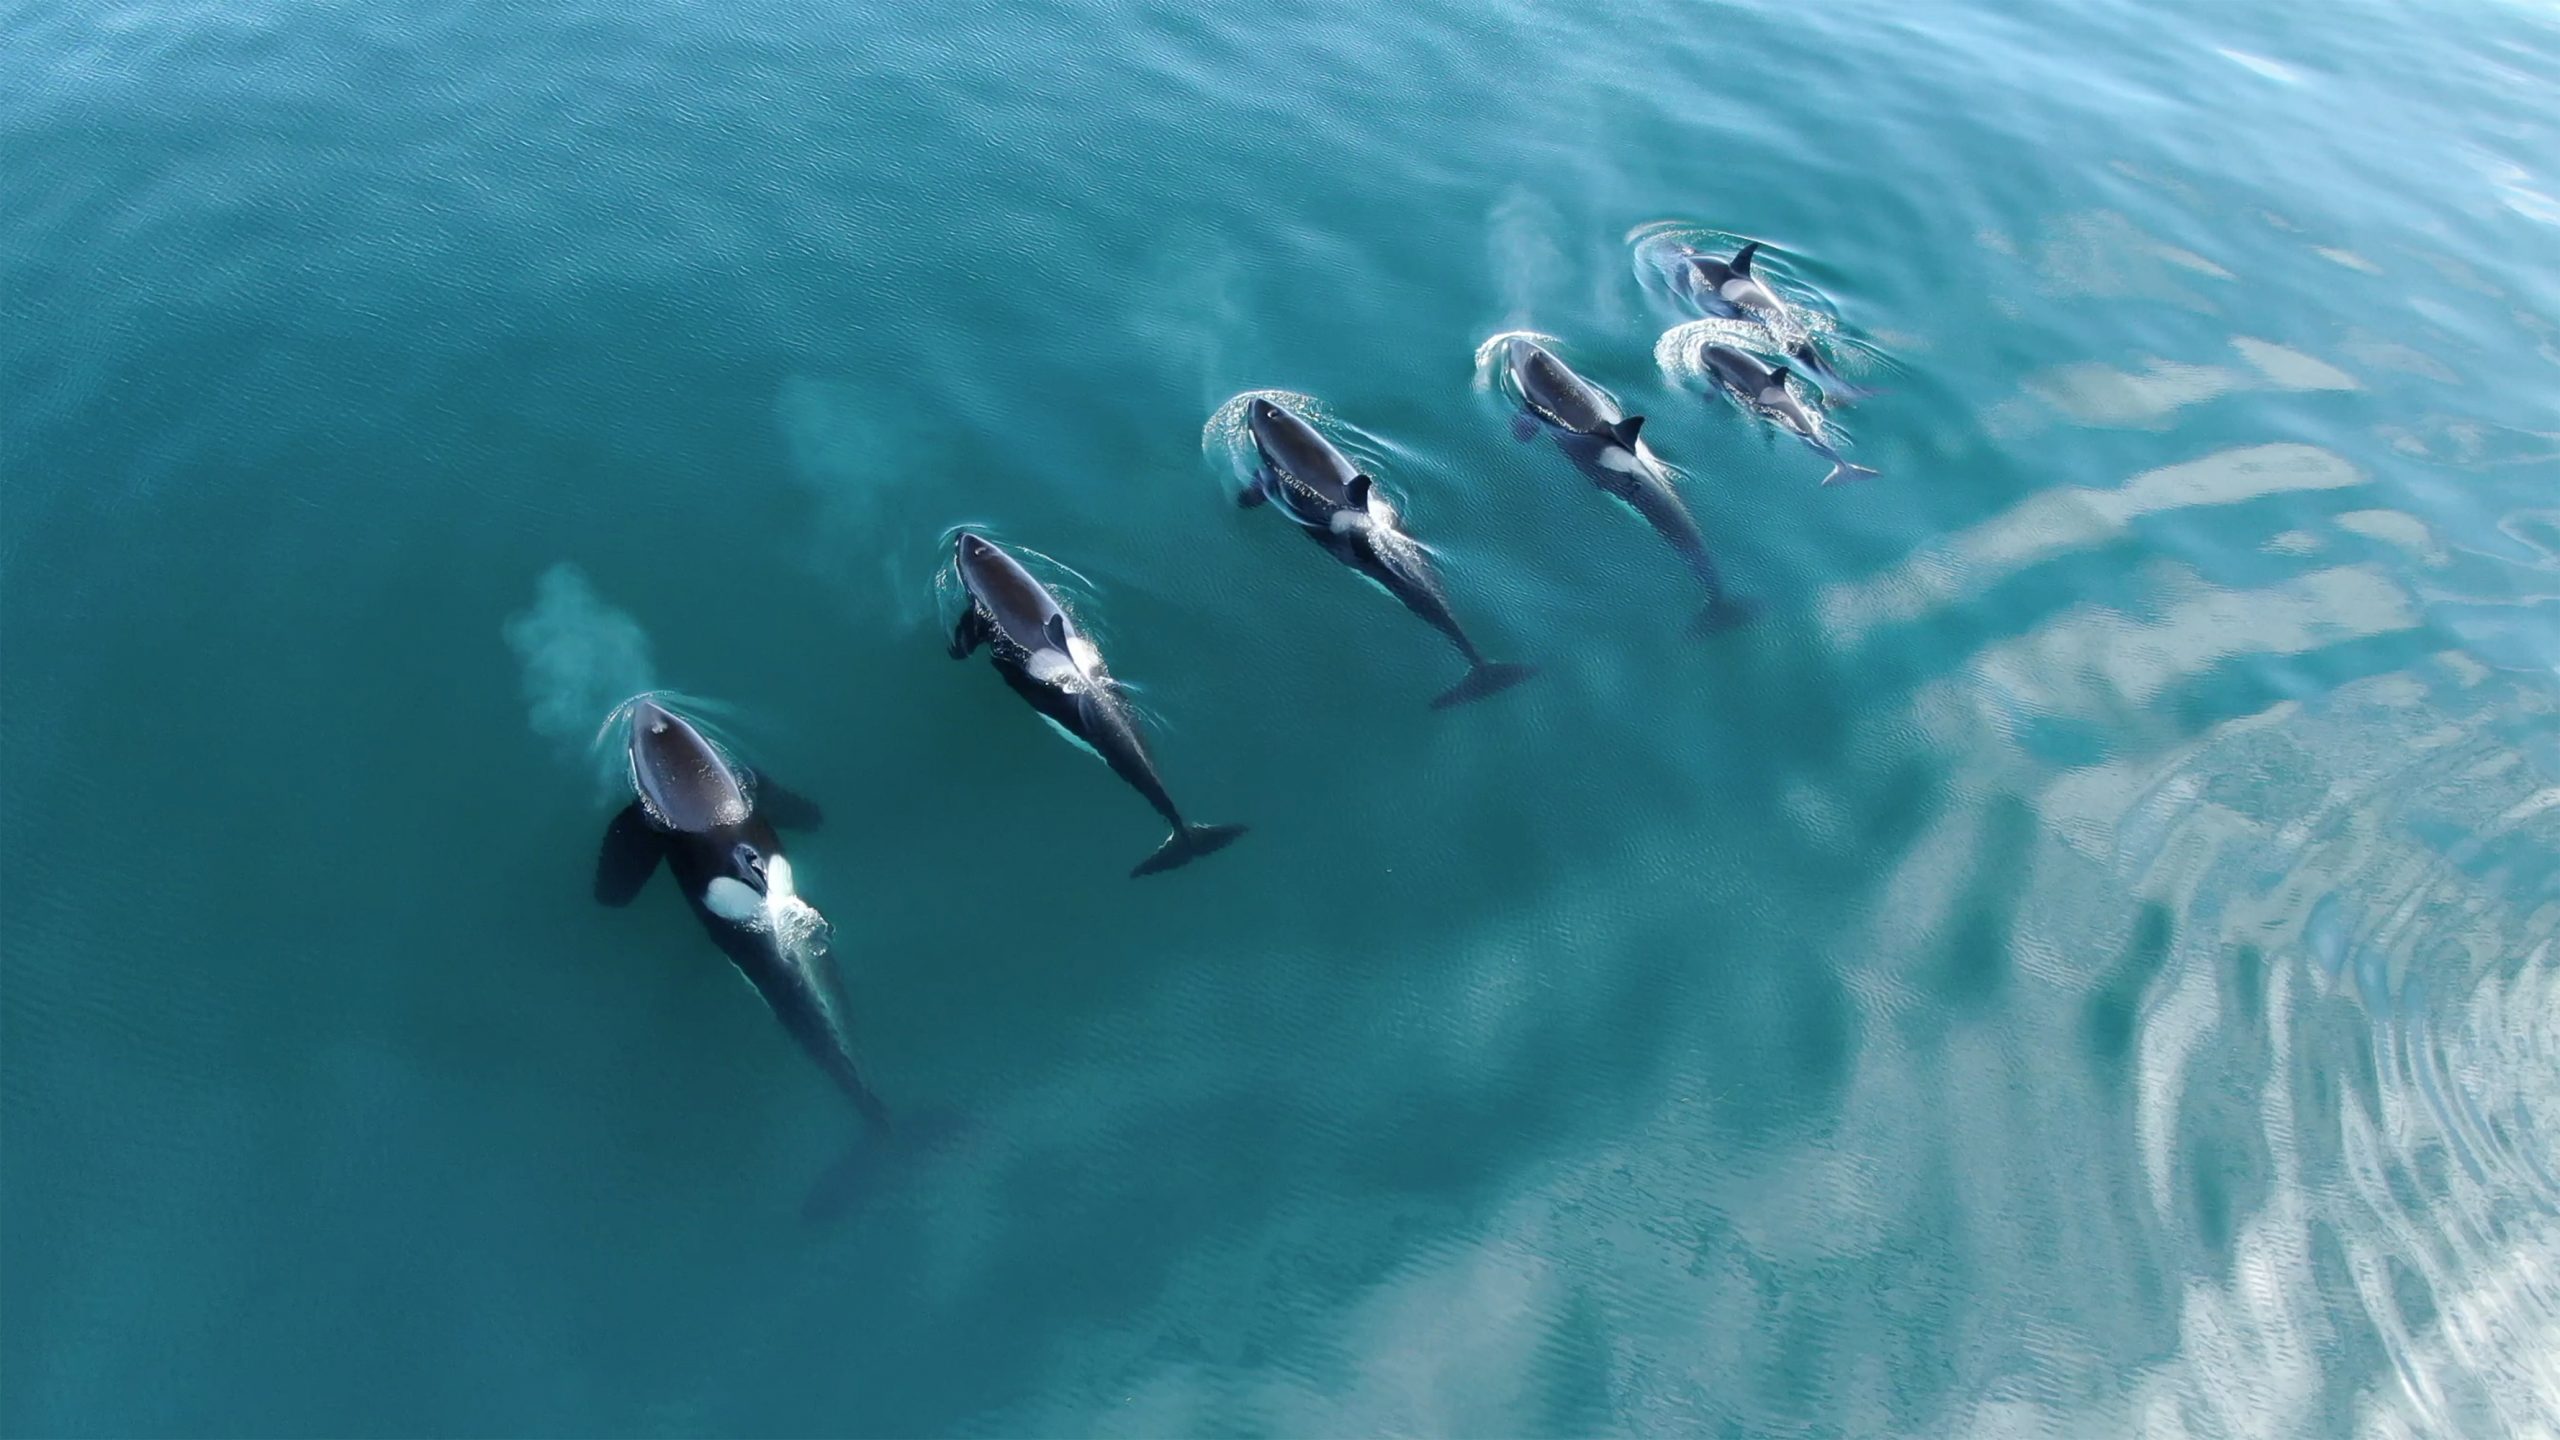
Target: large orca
1050	662
1590	427
713	823
1764	389
1727	287
1340	509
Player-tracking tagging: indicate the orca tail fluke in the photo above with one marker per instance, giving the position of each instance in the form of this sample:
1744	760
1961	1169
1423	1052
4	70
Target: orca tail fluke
1842	472
1723	613
1488	678
840	1188
842	1185
852	1177
1186	844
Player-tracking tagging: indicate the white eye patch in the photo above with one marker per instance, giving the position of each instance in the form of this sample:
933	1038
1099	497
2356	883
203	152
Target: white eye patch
734	902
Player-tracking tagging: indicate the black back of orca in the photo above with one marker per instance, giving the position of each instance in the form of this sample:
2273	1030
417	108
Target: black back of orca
1555	393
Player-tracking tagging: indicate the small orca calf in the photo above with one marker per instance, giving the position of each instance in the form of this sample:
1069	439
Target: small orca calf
1601	438
1340	509
1764	389
1050	662
713	824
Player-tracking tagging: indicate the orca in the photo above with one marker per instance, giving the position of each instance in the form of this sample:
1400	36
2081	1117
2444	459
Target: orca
1602	439
1342	510
714	825
1054	666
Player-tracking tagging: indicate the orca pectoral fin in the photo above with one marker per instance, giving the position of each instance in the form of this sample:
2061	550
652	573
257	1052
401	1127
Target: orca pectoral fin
629	856
1524	427
787	809
1251	496
972	632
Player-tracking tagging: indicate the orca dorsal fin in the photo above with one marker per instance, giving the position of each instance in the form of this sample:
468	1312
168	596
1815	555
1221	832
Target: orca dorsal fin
1361	485
1624	432
1742	258
1778	377
1056	629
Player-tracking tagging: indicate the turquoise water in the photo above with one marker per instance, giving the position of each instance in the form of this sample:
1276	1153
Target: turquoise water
2082	963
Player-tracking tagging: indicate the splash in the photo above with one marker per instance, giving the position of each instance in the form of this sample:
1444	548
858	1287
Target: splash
581	659
798	929
1494	377
1676	350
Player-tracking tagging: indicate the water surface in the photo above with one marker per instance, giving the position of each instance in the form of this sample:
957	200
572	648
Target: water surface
2082	963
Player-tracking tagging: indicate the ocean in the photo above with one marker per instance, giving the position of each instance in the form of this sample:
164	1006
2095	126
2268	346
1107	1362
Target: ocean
2079	961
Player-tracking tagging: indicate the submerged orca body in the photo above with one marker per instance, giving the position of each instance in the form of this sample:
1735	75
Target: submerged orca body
1764	389
1340	509
1837	389
1602	439
713	824
1050	662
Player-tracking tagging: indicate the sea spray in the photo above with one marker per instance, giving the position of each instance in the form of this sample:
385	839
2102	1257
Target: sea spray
1523	253
872	472
581	659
